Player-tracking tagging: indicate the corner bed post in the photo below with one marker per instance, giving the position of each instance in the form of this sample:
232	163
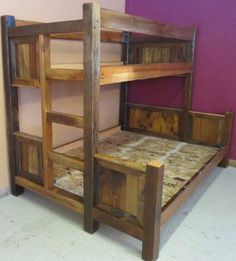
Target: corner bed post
227	137
152	210
11	100
91	34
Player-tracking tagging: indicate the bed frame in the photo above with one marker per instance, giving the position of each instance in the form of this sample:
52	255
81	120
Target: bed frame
150	50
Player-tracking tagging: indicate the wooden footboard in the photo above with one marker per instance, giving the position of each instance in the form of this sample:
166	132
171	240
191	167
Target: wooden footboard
117	199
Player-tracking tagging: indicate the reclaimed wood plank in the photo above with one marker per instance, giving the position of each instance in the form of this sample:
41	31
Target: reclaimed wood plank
66	119
91	31
152	210
113	20
11	97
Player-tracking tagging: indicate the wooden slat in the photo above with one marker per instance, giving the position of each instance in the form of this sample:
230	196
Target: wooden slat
117	164
152	210
124	73
47	28
46	106
51	194
91	59
66	160
32	83
66	119
122	225
113	20
24	22
106	36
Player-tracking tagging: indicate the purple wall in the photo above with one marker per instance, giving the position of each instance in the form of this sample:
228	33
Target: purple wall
214	86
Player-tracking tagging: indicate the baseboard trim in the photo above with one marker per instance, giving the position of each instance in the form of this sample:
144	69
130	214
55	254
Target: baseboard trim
232	163
4	192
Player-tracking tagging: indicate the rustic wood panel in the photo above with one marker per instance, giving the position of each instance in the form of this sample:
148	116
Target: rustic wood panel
113	20
157	122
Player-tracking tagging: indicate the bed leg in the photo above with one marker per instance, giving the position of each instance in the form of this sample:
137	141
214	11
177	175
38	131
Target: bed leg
17	190
152	210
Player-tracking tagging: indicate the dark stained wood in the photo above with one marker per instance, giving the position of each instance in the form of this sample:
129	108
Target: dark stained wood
91	31
152	210
47	28
122	225
11	96
66	119
228	125
113	20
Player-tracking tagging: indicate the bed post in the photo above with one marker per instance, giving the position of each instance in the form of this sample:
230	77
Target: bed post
227	137
91	34
11	100
152	210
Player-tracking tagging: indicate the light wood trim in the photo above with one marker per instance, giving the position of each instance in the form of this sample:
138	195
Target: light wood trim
46	106
66	119
51	194
47	28
106	36
29	83
113	20
24	22
117	164
66	160
124	226
206	170
124	73
22	136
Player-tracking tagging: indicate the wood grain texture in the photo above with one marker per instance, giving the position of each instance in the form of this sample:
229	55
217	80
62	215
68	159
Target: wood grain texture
152	211
123	73
65	119
46	106
11	97
113	20
91	32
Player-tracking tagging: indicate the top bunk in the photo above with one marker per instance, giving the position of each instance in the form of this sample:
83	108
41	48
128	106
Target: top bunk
137	35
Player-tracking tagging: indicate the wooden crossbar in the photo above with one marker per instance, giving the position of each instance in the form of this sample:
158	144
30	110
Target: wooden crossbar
66	119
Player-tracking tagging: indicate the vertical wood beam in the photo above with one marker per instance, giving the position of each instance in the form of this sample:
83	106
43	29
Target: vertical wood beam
91	32
152	210
124	86
11	100
227	137
46	106
185	128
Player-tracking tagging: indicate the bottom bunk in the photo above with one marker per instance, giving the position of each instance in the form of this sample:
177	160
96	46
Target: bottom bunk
181	162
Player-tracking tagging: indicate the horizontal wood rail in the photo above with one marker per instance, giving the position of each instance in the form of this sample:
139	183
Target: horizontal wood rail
46	28
123	73
66	119
124	226
54	195
119	165
22	136
112	20
66	160
29	83
106	36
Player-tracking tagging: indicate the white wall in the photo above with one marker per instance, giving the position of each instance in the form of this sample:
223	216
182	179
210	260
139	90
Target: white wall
48	11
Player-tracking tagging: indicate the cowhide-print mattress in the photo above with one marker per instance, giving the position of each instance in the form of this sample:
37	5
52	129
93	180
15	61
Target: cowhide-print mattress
181	160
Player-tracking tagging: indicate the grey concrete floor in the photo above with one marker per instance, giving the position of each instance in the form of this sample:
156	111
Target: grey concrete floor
204	229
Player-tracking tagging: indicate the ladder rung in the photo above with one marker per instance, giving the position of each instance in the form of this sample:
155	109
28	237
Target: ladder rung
66	119
66	160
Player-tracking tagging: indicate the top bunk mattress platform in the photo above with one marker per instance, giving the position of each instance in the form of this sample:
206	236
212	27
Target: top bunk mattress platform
181	160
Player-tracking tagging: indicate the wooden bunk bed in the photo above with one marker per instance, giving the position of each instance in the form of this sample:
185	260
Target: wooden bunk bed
132	178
